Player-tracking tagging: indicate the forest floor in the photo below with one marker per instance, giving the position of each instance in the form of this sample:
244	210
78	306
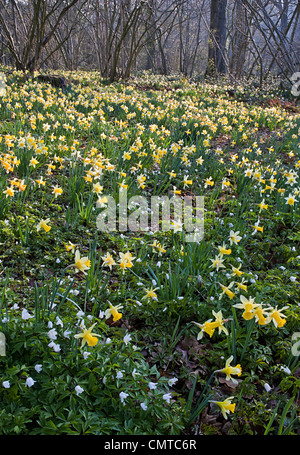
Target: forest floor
139	331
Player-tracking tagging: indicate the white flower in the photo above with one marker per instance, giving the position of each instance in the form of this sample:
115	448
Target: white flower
52	334
29	382
285	369
127	338
67	333
78	390
172	381
123	396
167	397
38	368
293	278
101	314
267	387
86	354
26	315
55	346
152	385
59	321
119	374
144	406
6	384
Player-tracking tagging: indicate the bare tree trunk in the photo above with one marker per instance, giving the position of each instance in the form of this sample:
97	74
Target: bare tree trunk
239	39
216	49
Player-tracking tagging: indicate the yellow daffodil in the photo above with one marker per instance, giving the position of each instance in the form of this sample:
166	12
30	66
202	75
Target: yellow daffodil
81	263
262	205
57	191
87	336
257	227
114	312
248	306
290	200
217	262
276	316
234	237
226	406
259	314
210	326
9	192
108	260
227	291
229	370
224	250
241	285
71	247
43	225
236	270
151	294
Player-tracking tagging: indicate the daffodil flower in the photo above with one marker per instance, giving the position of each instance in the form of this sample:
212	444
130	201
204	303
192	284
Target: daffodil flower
262	205
290	200
227	291
236	270
81	263
126	260
257	227
151	294
259	314
43	225
71	247
87	336
108	260
248	306
224	250
229	370
234	237
226	406
276	316
114	312
241	285
210	326
217	263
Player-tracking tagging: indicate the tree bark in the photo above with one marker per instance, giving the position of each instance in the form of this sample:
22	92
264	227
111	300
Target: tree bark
216	49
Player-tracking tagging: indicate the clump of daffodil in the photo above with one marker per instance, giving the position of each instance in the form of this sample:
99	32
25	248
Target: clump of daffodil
113	311
210	326
87	336
81	264
230	370
226	406
43	224
126	260
227	291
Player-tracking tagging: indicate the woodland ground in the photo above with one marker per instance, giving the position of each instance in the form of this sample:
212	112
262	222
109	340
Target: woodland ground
157	317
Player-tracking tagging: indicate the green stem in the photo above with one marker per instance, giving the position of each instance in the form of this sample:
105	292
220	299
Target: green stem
249	331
